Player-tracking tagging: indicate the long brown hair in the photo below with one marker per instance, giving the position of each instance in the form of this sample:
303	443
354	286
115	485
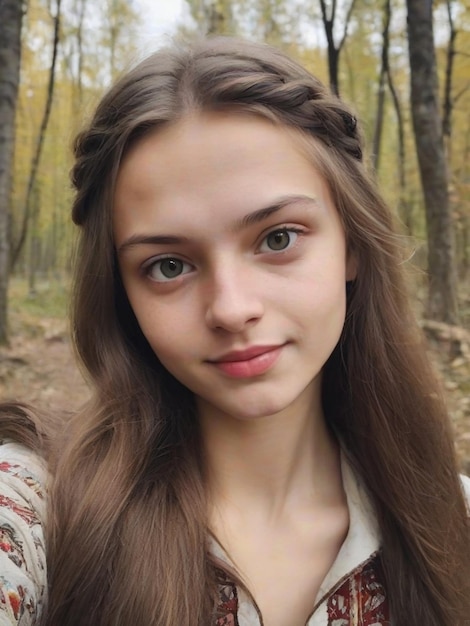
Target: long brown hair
127	534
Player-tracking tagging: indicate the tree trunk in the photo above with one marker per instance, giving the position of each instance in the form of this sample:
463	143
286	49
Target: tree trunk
11	15
386	75
34	245
81	19
379	120
427	124
333	49
404	205
42	133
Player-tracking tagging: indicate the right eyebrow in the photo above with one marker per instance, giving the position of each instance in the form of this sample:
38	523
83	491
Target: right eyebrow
136	240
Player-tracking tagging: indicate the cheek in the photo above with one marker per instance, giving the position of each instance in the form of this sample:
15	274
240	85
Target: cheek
157	327
168	335
321	290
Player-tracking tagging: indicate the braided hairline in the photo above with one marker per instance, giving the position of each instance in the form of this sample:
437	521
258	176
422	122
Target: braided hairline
297	97
302	100
301	105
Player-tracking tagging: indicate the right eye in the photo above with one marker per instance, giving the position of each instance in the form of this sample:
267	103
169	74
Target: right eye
166	269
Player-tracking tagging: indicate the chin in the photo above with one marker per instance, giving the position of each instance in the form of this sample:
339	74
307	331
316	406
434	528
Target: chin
257	410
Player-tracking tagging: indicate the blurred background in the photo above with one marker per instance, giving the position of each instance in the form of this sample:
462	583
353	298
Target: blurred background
404	65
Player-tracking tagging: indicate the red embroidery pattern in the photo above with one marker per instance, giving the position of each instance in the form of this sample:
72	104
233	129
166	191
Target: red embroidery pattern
361	599
227	608
26	514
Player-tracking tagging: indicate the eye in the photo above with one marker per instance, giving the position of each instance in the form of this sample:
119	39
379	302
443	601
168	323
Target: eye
169	268
279	239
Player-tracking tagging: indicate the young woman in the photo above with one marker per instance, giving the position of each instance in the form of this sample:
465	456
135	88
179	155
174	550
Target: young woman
265	443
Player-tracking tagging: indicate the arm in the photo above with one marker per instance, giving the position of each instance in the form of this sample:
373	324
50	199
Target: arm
22	552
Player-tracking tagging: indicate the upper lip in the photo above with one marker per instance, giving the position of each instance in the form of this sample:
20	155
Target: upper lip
243	355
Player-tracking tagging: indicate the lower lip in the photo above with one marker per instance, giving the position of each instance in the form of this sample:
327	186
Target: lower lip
251	367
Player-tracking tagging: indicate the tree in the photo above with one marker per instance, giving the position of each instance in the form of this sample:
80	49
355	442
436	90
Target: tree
384	68
213	17
427	124
11	15
334	50
119	19
386	75
40	142
80	7
96	39
450	57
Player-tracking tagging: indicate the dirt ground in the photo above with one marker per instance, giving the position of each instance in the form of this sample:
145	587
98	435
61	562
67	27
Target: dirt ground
40	368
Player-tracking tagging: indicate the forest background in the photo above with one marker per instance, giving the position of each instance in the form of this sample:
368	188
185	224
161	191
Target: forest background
404	65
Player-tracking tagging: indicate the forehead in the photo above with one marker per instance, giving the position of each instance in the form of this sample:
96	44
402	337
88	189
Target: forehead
225	135
213	165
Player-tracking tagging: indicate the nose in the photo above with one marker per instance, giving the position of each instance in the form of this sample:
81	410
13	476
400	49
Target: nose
233	302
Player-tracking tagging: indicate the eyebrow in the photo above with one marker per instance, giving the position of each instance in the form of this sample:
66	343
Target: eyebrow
136	240
281	203
248	220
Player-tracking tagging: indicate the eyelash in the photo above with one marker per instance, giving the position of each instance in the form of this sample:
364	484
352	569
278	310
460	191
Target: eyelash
149	267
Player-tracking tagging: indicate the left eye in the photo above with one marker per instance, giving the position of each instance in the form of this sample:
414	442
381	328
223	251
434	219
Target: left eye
278	240
164	270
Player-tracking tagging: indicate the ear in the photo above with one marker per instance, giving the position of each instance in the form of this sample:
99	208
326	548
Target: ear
351	266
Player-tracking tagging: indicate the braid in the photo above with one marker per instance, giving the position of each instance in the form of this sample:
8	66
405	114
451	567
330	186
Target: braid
298	98
178	81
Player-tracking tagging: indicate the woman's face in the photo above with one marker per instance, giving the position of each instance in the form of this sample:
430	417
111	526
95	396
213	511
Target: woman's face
234	261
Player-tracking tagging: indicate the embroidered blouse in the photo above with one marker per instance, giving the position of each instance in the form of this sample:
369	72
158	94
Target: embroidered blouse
353	591
22	551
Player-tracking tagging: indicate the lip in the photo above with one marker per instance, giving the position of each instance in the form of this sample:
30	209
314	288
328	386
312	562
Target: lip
250	362
244	355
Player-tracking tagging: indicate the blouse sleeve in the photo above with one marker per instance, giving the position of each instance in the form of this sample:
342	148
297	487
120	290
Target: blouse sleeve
22	551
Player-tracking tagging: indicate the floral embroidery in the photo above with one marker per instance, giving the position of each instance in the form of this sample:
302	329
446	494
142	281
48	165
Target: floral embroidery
361	599
22	554
227	608
11	544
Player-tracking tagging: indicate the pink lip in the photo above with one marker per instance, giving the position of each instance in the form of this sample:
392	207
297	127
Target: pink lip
253	361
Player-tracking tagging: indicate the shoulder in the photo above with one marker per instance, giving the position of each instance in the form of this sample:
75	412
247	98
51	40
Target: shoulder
466	489
22	551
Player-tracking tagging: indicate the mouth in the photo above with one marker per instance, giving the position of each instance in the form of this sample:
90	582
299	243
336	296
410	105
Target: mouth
253	361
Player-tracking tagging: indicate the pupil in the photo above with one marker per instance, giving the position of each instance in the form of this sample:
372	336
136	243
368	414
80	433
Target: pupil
279	240
171	268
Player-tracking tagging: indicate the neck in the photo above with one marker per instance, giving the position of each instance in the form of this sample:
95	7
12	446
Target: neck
270	465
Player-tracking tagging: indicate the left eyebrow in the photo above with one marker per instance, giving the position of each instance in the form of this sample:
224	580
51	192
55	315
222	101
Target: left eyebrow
262	214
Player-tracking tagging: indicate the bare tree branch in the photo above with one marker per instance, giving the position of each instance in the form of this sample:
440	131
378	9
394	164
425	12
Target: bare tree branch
447	104
334	50
461	93
346	24
333	11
